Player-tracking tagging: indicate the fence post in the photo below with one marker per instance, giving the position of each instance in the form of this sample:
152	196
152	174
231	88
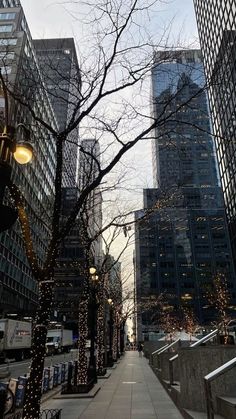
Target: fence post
209	400
171	373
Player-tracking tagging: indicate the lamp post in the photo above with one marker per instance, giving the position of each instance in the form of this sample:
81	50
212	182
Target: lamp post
93	311
21	151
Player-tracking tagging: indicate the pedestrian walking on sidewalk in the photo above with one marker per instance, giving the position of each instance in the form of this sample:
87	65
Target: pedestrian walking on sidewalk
140	349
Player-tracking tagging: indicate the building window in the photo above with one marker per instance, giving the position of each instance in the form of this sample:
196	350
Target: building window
7	16
6	28
9	41
7	55
5	70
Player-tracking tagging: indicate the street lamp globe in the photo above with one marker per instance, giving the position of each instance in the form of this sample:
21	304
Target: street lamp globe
109	300
92	270
23	153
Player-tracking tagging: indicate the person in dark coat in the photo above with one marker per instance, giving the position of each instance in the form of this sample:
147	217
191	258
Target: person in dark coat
140	349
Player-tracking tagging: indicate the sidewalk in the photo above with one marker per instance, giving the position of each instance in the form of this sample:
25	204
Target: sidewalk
131	392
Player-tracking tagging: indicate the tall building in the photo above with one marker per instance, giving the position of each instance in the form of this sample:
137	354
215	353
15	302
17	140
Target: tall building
183	244
72	263
70	270
18	289
60	70
89	165
217	32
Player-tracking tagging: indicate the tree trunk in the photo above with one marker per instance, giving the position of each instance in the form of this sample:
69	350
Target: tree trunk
100	335
115	342
111	328
82	377
38	351
118	340
92	374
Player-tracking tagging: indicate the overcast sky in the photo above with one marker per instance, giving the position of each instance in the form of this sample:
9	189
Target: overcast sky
47	18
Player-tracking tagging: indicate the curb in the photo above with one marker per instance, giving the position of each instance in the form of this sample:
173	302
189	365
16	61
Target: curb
90	395
51	394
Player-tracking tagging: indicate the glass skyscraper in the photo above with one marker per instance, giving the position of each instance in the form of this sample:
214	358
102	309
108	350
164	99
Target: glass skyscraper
182	245
217	31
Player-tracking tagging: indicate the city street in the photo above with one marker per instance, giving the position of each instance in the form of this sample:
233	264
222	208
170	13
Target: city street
21	368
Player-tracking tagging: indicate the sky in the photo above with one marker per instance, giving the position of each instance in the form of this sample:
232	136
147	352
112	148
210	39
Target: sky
50	19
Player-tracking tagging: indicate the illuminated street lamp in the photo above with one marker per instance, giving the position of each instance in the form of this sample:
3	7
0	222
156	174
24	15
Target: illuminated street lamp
22	152
92	270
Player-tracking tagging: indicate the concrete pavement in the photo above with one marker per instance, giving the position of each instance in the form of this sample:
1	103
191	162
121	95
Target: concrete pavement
131	392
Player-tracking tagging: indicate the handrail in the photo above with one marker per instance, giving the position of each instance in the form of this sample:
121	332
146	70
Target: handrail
193	345
165	349
207	383
160	349
169	346
205	338
156	352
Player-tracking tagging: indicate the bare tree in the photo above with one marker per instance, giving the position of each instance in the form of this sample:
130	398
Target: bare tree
219	298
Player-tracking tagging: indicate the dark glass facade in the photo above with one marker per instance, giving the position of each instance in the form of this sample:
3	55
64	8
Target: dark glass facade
59	68
18	289
217	31
89	159
70	269
180	247
71	264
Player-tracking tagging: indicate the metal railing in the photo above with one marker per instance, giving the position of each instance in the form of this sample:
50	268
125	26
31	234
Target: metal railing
44	414
177	341
207	383
205	338
156	352
169	346
51	414
193	345
171	369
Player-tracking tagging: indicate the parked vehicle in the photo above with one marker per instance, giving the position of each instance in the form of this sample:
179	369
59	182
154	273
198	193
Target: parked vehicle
15	339
59	340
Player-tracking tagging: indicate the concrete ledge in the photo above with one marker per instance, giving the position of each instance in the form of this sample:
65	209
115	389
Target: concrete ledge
226	406
103	377
191	414
113	367
90	395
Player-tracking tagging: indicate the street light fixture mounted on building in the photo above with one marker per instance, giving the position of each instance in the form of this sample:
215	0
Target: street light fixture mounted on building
22	152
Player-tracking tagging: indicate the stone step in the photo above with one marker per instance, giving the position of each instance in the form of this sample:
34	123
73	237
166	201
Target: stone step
226	406
192	414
